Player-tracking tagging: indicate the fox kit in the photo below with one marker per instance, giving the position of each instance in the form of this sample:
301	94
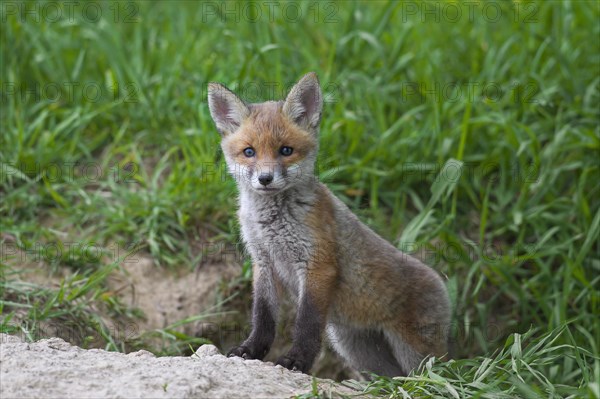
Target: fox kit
382	310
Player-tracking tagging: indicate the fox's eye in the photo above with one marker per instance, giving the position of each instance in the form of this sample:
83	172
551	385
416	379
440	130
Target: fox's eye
249	152
286	151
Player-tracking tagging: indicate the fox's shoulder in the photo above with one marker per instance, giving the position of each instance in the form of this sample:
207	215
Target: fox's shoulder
321	216
339	211
331	216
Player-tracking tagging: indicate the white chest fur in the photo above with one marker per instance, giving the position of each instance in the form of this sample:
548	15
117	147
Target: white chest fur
276	235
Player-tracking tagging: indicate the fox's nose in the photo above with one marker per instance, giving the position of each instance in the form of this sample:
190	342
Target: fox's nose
265	178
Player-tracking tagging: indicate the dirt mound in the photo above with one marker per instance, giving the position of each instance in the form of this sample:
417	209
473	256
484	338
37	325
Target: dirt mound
52	368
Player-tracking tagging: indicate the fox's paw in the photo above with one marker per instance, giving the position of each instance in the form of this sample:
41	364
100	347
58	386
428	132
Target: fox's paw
240	351
294	364
246	353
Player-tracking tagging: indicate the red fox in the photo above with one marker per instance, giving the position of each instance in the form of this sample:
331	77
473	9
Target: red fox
382	310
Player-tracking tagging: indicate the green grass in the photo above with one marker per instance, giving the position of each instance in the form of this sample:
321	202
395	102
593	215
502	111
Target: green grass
523	368
513	103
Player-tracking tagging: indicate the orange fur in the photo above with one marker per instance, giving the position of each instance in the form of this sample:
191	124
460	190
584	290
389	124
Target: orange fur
323	269
267	131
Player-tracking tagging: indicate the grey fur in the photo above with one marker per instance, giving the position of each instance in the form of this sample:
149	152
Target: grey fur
364	349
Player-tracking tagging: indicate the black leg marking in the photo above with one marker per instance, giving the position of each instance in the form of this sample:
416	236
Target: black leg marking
307	338
264	308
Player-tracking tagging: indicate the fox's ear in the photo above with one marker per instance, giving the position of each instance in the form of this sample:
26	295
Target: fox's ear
227	110
304	102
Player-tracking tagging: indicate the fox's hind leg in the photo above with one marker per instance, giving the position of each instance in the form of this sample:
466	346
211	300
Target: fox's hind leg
412	343
408	357
365	350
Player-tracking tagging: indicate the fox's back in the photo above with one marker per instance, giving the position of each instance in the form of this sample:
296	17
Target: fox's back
376	278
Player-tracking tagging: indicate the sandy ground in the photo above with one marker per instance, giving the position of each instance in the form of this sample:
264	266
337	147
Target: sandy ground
162	295
52	368
167	296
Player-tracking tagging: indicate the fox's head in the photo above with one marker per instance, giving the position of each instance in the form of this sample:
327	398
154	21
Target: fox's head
271	146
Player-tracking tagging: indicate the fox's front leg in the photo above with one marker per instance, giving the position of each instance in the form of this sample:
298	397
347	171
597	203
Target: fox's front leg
311	318
264	309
